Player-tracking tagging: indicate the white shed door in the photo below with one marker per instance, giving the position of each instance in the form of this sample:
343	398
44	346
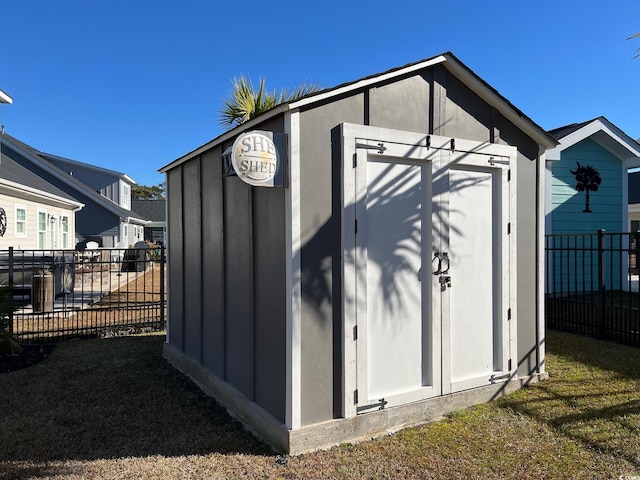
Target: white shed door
426	267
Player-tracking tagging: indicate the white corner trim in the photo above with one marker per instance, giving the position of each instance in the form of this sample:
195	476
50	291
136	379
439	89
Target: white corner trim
544	203
293	276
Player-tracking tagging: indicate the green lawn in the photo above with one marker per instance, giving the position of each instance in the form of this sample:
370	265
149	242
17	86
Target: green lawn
113	408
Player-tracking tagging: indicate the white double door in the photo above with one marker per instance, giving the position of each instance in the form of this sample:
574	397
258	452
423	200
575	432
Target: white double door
429	280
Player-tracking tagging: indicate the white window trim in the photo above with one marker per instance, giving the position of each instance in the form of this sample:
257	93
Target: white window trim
125	195
64	236
22	234
40	211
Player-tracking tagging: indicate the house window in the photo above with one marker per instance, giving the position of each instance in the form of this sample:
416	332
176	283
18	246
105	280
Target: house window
42	230
126	193
21	222
65	232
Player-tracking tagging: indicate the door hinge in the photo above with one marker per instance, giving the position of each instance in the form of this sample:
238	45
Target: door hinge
509	228
355	332
355	160
380	404
509	175
355	397
509	314
509	365
356	226
453	144
379	147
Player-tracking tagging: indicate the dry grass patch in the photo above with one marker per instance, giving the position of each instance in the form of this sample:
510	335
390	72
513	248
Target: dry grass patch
113	408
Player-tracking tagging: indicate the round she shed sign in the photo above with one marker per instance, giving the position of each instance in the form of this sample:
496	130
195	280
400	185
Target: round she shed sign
255	158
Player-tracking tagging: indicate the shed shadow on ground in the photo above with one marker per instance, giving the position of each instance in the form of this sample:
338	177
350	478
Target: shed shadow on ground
110	398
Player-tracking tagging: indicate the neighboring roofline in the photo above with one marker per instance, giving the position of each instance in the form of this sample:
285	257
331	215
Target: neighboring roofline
91	167
130	219
448	60
17	187
68	179
603	132
4	98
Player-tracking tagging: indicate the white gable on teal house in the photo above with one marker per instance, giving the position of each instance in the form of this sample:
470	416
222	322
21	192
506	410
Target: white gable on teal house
587	178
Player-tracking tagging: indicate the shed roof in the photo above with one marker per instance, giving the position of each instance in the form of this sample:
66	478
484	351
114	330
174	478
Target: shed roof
448	60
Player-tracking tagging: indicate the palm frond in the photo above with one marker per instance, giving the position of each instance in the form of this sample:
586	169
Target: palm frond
245	102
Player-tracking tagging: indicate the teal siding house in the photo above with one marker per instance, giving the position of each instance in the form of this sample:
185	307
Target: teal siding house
587	189
609	152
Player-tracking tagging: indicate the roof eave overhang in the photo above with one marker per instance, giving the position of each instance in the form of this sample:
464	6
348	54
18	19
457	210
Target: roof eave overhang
248	125
480	88
102	201
19	189
605	134
4	98
470	79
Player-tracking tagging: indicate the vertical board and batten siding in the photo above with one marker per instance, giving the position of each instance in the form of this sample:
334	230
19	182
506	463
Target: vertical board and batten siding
238	281
432	101
175	258
213	305
192	261
320	258
568	204
227	283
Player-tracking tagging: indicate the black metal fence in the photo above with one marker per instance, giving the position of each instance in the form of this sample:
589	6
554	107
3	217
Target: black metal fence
70	293
591	285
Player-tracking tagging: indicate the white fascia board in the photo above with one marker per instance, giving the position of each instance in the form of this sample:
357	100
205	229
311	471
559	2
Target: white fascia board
227	135
367	81
471	80
4	98
128	179
135	220
605	134
330	93
39	194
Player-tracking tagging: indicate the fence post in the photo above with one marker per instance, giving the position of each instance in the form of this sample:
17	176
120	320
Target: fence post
11	284
162	293
602	325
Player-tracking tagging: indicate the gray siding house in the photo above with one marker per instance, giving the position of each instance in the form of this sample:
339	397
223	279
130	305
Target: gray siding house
34	214
155	212
392	274
106	217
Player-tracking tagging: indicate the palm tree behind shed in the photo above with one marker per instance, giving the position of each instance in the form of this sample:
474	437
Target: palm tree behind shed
246	102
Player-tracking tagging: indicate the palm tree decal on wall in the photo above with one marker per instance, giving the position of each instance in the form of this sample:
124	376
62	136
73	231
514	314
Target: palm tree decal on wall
588	180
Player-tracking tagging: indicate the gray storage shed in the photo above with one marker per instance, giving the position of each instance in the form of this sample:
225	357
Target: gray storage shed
392	274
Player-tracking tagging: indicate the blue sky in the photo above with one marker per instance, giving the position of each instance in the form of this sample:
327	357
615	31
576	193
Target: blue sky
133	85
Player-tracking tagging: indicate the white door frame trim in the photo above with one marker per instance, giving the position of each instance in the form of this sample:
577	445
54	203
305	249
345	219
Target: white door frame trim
349	269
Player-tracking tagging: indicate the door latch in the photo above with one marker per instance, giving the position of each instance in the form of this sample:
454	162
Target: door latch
445	280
